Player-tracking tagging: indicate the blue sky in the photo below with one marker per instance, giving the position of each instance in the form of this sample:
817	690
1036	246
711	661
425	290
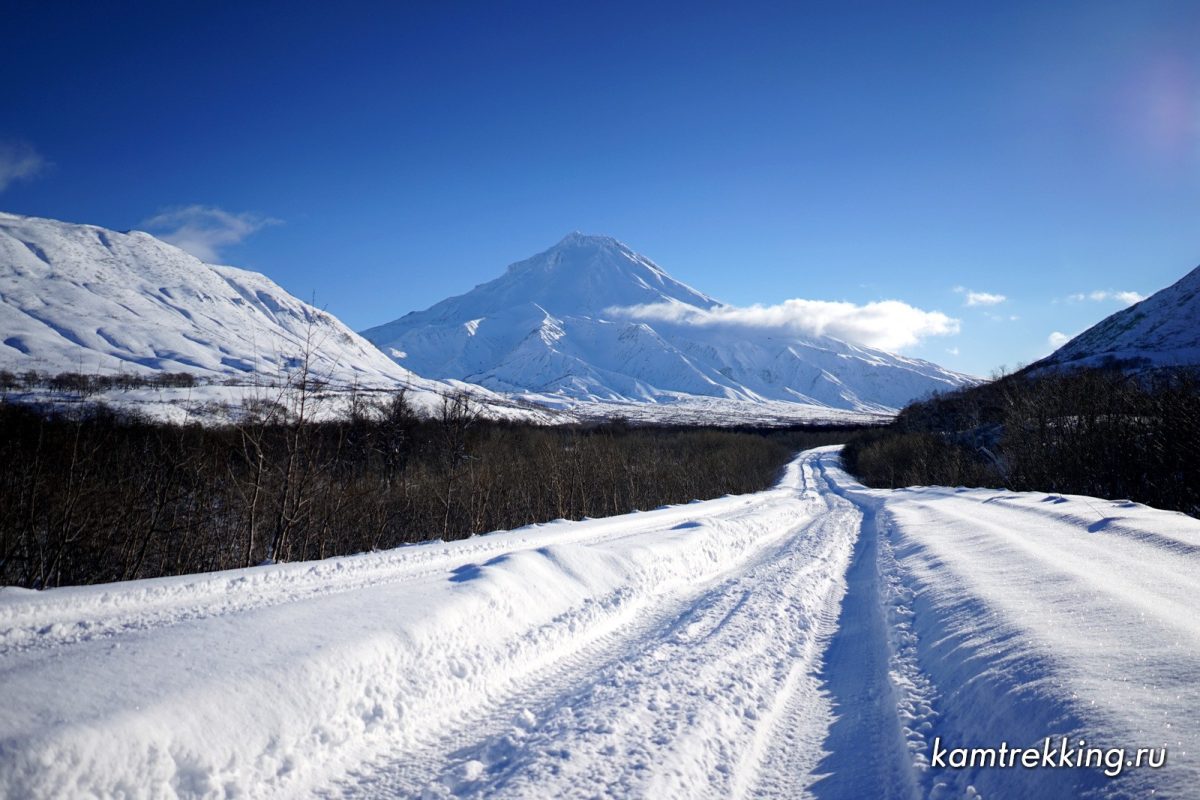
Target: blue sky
380	157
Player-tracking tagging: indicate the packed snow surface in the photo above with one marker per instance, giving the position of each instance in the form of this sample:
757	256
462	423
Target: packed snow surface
811	640
1161	331
552	327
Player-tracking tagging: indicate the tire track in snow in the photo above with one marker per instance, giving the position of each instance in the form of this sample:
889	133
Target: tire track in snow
866	752
783	761
508	713
676	704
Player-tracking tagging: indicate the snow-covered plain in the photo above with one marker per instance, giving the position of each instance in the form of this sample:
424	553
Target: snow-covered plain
224	403
809	640
668	408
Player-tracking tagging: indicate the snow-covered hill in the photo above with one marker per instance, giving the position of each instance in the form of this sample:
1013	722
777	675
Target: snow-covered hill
551	328
80	298
86	299
1161	331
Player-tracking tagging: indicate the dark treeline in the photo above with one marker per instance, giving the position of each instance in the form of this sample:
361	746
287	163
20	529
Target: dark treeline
93	496
85	384
1097	432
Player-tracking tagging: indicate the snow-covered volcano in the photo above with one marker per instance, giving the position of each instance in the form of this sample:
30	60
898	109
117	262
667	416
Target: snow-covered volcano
1162	331
81	298
552	326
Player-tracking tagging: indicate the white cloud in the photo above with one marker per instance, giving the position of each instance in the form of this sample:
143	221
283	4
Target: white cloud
1099	296
203	230
18	161
952	351
887	324
984	299
980	298
1057	339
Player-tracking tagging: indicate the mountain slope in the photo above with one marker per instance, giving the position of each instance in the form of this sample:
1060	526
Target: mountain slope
550	326
83	298
1161	331
79	298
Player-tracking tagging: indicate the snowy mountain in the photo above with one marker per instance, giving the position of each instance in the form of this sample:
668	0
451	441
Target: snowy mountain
83	298
79	298
551	327
1161	331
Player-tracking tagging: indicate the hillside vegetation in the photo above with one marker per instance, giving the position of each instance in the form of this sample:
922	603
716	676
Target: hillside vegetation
94	496
1098	432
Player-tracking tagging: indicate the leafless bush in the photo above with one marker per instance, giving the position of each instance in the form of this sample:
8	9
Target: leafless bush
1100	432
94	496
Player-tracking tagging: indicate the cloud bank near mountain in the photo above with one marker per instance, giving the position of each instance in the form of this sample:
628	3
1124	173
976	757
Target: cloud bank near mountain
886	324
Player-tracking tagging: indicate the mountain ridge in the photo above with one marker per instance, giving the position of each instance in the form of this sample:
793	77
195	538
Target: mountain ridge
1159	332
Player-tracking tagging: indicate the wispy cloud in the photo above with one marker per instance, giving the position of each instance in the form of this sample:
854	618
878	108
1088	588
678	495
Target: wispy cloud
1099	296
204	230
1057	339
980	298
887	324
18	161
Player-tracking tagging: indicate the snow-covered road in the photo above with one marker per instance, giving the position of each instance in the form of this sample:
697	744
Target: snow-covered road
810	640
